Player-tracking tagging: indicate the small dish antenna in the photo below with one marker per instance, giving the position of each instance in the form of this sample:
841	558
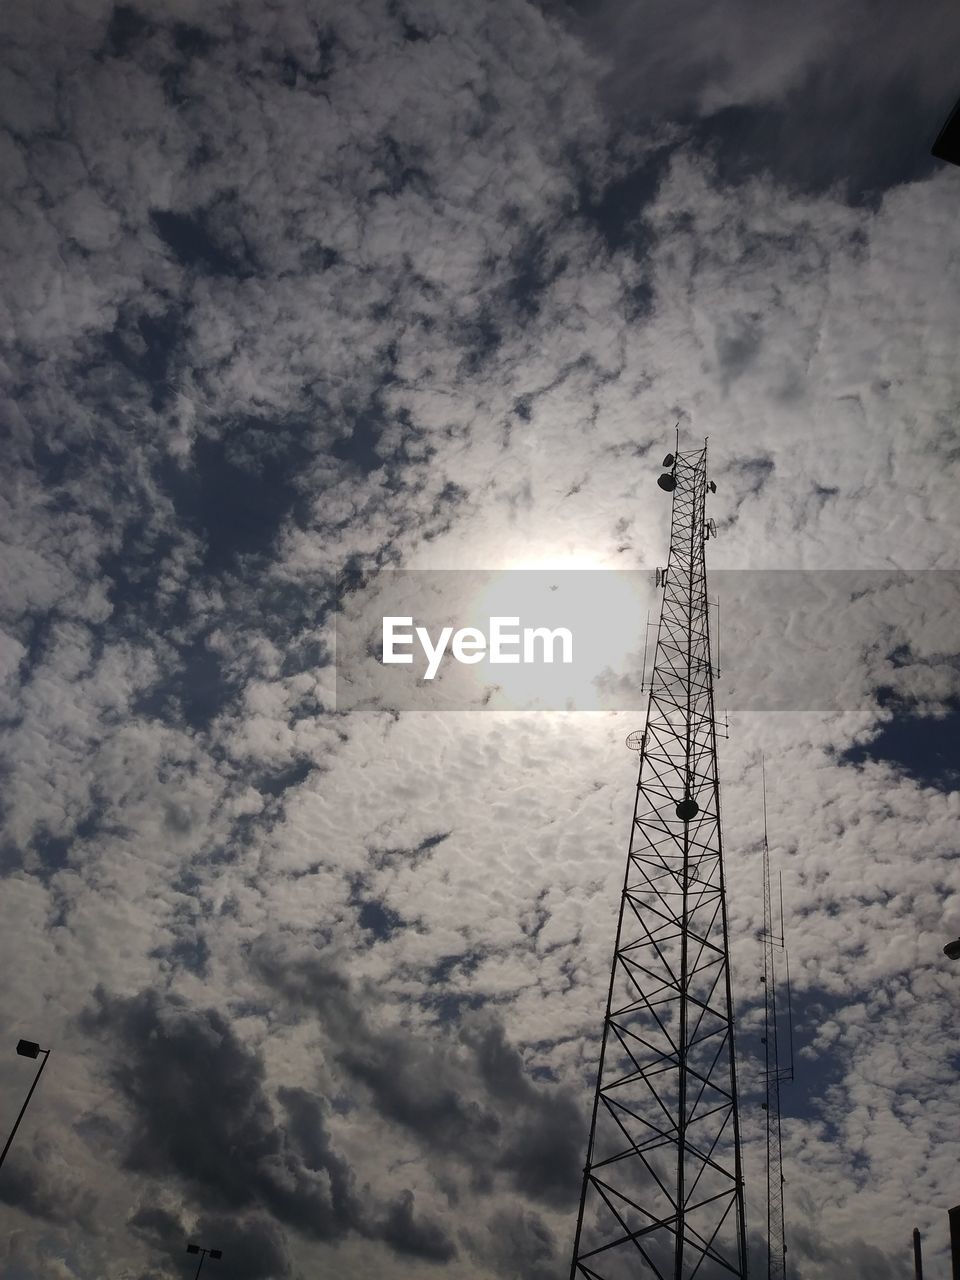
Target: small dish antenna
635	740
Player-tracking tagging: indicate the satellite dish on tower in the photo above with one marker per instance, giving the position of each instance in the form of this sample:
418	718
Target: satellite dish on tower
667	483
635	740
668	460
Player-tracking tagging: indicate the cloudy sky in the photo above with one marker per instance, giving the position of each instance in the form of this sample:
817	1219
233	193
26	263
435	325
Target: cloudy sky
294	288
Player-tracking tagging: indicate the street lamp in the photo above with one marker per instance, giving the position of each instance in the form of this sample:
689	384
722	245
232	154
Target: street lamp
26	1049
952	950
195	1248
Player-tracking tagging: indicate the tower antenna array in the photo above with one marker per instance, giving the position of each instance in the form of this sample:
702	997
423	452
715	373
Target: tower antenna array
773	1074
662	1191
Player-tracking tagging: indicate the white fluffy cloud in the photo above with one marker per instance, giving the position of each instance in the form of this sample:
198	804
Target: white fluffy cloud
297	288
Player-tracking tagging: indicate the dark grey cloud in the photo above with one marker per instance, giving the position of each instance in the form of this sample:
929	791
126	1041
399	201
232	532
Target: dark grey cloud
162	1228
616	202
861	140
194	241
420	1238
813	1256
253	1246
35	1182
826	97
147	343
462	1091
519	1244
126	29
200	1112
189	949
545	1123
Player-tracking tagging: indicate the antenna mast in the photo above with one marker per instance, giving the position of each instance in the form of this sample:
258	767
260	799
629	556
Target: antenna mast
772	1073
662	1191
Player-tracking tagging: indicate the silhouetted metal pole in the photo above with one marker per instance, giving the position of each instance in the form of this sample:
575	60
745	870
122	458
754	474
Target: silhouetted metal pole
774	1075
26	1049
917	1255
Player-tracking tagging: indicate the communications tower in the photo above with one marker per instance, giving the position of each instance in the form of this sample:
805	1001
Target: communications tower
662	1192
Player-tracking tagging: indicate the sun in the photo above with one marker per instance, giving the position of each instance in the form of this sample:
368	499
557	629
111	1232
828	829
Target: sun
604	610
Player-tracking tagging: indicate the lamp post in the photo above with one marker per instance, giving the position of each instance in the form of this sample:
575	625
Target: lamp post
195	1248
26	1049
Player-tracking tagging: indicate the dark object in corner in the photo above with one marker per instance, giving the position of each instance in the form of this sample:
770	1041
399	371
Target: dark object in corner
947	145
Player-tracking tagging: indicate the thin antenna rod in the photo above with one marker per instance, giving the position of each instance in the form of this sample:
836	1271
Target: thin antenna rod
719	668
646	637
776	1233
786	961
788	1072
763	788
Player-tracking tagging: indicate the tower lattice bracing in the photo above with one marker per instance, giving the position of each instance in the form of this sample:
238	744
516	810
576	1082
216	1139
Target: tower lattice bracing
662	1191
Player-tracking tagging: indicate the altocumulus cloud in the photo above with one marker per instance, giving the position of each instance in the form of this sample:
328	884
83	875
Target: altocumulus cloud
310	287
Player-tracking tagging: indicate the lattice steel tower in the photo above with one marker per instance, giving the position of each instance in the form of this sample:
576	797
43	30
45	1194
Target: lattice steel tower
662	1188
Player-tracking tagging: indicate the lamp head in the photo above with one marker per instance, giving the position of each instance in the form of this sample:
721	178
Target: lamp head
28	1049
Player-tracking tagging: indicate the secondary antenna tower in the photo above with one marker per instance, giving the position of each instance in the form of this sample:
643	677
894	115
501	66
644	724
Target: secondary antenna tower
773	1074
662	1191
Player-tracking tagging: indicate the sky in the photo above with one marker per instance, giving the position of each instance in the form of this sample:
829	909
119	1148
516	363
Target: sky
294	290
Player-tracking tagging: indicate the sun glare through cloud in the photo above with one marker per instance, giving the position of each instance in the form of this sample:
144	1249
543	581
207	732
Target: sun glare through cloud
605	612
